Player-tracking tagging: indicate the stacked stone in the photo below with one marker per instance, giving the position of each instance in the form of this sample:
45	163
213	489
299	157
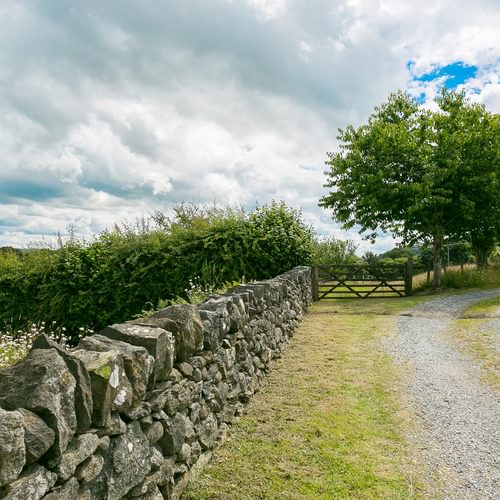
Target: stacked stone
136	410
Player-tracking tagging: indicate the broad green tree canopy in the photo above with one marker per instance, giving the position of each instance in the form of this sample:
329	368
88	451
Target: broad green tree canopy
422	175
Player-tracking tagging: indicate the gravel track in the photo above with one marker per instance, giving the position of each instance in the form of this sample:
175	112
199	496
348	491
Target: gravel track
457	416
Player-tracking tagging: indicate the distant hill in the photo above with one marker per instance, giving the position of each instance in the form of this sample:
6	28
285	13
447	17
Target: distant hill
10	249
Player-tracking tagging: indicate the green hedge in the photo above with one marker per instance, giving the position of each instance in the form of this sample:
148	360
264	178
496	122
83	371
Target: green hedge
121	272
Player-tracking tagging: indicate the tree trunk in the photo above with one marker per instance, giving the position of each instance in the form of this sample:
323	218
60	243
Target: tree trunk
482	244
437	250
481	257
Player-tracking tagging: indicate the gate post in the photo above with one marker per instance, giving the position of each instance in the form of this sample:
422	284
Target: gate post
315	283
409	278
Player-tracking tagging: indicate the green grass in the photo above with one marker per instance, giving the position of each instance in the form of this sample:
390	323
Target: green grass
378	306
329	422
484	308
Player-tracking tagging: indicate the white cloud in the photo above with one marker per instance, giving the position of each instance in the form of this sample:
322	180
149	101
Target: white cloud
268	9
64	164
306	49
108	111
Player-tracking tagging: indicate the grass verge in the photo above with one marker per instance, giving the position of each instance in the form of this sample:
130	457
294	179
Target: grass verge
474	334
484	309
329	421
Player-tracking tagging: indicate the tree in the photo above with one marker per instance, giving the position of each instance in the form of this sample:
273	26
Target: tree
333	251
416	172
470	140
371	259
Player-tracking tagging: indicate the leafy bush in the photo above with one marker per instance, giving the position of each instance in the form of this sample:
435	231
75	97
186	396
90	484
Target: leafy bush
280	240
121	272
495	255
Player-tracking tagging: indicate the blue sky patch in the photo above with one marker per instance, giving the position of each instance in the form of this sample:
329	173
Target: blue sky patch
455	74
12	189
420	98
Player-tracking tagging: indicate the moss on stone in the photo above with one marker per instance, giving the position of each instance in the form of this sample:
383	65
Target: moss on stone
104	371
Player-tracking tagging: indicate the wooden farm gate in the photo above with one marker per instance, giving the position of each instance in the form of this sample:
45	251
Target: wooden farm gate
345	281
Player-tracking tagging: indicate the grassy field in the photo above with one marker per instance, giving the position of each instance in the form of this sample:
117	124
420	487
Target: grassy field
474	334
329	421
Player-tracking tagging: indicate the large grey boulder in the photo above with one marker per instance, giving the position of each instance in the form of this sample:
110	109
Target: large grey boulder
65	491
156	457
216	321
186	325
153	431
172	439
83	390
148	490
237	313
80	448
89	469
12	450
158	342
116	425
110	387
257	296
207	432
33	484
138	363
212	337
158	397
178	397
38	436
176	430
162	475
42	383
127	463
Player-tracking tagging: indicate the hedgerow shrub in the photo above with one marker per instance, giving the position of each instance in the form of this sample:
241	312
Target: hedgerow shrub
124	271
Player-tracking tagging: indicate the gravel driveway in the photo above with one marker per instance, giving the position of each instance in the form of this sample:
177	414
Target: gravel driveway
457	416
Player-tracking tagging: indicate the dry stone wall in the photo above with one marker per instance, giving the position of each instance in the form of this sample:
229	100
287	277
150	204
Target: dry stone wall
135	410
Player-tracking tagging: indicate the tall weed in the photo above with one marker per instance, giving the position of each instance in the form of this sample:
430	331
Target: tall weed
468	278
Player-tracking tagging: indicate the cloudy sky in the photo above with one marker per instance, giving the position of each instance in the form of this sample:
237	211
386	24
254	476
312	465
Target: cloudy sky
109	110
